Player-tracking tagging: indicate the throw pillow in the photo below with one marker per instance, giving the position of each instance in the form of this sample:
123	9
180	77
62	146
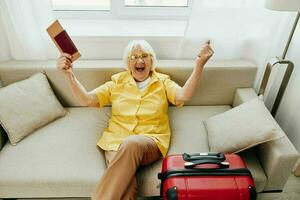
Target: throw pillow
242	127
28	105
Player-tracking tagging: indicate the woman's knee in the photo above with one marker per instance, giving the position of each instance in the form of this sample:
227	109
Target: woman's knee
135	142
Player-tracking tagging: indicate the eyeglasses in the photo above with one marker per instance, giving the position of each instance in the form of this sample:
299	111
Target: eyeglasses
136	57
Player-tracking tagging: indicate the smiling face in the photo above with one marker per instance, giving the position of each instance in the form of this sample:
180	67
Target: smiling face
139	63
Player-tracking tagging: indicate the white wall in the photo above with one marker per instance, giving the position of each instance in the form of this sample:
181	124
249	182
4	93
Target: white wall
288	115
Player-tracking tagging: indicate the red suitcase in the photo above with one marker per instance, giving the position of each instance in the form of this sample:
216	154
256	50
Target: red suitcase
206	176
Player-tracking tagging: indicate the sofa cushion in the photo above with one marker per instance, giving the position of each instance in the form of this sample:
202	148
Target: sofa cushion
71	164
246	125
28	105
187	128
59	160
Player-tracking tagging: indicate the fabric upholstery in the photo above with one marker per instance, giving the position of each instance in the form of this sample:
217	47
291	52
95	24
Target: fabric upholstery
217	86
58	160
255	168
183	138
243	95
46	171
28	105
247	125
277	157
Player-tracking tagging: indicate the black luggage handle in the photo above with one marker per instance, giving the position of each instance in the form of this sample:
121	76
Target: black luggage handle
199	156
192	164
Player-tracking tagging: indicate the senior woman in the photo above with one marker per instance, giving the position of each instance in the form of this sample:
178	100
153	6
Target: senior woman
138	132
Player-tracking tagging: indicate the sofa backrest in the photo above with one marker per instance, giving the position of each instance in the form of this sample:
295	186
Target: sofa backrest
217	86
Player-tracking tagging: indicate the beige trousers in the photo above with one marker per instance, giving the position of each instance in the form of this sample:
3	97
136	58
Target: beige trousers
119	181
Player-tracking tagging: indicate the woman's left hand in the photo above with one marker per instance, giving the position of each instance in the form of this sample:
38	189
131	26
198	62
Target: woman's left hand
205	54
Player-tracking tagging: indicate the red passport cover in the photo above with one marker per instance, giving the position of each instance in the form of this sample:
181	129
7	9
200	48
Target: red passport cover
65	43
62	40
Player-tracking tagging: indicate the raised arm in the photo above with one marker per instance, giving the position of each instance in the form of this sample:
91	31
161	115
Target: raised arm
186	92
83	97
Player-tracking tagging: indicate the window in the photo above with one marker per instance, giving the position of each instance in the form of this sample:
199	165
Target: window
156	3
106	18
81	5
121	9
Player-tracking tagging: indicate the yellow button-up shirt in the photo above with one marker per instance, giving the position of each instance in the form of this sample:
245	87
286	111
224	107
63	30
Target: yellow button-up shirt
135	111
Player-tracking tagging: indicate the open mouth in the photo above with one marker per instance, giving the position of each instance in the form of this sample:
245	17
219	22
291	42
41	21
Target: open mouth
140	68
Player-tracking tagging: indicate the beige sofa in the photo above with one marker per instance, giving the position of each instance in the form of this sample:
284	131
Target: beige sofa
61	159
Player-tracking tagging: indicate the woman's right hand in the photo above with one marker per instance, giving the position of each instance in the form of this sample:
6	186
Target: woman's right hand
64	64
205	54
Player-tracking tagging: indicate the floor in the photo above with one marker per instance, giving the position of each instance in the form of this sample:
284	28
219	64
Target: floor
291	191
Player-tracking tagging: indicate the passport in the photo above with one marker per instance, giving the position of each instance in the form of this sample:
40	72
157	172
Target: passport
62	40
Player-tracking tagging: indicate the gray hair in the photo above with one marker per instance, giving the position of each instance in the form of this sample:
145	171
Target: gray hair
145	47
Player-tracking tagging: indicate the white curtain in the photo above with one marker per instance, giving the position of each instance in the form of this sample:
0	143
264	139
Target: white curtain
238	29
23	24
4	48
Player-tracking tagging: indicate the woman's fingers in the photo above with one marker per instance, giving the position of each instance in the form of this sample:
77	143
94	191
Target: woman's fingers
69	63
206	52
206	47
207	42
66	55
64	63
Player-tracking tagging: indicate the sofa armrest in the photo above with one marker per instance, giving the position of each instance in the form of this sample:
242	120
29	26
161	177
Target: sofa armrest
242	95
277	157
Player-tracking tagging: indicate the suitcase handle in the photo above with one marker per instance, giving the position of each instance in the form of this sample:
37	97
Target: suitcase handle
199	156
192	164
